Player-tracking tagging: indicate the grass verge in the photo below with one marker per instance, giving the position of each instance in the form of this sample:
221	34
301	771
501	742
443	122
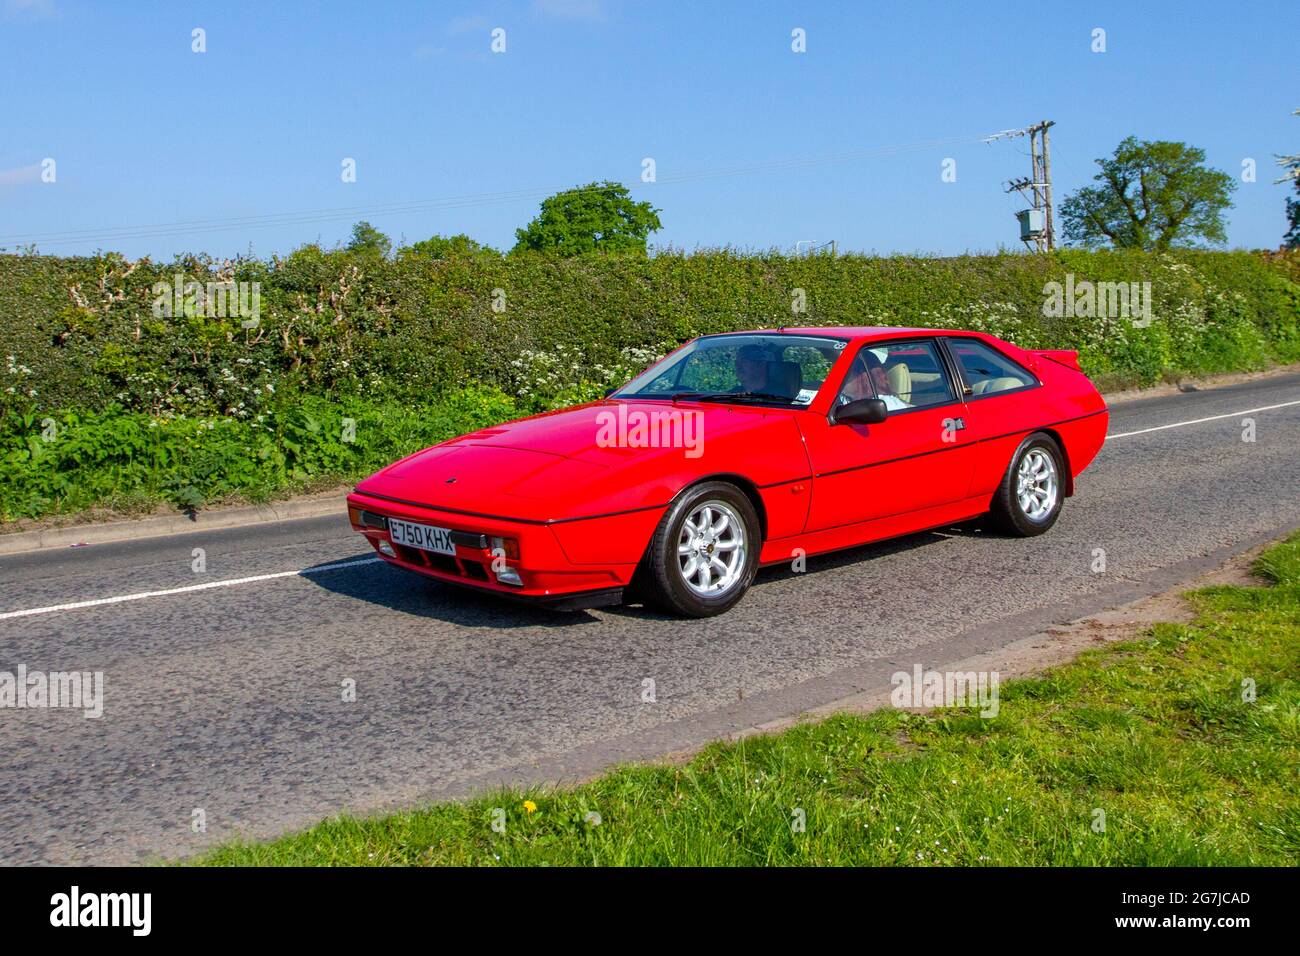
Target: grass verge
1158	733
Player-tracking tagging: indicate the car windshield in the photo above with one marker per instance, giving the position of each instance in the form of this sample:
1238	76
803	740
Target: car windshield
770	369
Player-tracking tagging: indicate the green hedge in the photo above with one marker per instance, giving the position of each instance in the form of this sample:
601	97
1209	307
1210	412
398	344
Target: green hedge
80	332
128	461
103	403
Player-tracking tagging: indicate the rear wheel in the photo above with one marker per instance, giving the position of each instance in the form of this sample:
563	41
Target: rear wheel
704	554
1028	501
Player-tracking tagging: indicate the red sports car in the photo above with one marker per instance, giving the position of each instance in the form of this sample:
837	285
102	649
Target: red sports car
737	451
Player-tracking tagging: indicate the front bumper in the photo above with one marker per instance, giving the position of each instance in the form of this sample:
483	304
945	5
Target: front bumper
547	573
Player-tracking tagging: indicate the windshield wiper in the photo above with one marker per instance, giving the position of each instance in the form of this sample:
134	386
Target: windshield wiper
731	397
690	396
763	396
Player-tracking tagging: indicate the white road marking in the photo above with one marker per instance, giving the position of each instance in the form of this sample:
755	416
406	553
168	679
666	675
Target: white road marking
141	595
1197	421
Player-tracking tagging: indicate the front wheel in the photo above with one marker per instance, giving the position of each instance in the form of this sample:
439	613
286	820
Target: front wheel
704	554
1028	501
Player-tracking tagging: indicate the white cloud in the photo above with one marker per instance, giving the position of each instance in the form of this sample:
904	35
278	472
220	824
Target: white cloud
459	26
571	9
28	9
21	175
468	24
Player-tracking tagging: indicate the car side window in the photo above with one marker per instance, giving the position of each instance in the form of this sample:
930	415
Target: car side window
986	370
857	383
903	375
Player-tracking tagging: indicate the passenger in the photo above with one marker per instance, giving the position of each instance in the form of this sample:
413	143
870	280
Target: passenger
857	384
868	379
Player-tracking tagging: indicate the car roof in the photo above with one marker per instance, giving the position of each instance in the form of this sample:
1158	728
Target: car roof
859	332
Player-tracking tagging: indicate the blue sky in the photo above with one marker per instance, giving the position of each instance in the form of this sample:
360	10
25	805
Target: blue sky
144	131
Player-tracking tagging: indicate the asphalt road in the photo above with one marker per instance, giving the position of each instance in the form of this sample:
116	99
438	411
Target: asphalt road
229	699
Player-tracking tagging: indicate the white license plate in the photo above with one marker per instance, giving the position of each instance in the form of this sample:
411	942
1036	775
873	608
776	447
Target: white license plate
423	536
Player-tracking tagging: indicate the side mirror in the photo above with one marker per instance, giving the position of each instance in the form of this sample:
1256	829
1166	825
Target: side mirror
865	411
611	391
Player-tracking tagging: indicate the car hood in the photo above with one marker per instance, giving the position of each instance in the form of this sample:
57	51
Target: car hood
479	478
595	432
578	461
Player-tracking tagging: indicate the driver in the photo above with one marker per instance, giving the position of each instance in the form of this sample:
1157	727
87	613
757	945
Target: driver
751	367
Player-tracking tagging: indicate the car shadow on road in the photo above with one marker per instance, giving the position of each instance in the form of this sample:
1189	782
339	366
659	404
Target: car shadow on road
409	593
822	563
866	552
878	549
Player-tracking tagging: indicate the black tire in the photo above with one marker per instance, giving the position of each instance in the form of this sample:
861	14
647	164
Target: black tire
663	575
1008	514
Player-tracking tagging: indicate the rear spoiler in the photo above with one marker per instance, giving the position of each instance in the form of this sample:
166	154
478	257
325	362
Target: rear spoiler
1064	357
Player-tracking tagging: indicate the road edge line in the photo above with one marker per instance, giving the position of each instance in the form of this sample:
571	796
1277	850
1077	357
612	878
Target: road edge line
20	542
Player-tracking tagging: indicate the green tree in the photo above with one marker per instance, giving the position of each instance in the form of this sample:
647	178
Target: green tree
459	246
1292	166
368	240
1150	195
1292	238
599	217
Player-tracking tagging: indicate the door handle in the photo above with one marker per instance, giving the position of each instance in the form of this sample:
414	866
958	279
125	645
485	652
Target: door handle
956	424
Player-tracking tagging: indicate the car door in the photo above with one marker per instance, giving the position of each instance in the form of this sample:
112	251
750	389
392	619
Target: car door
1003	404
917	458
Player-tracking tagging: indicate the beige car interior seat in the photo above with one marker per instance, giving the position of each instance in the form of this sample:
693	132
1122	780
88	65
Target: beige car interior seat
996	385
900	380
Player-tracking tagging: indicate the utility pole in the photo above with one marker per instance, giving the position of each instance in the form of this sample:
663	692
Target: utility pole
1047	184
1037	223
